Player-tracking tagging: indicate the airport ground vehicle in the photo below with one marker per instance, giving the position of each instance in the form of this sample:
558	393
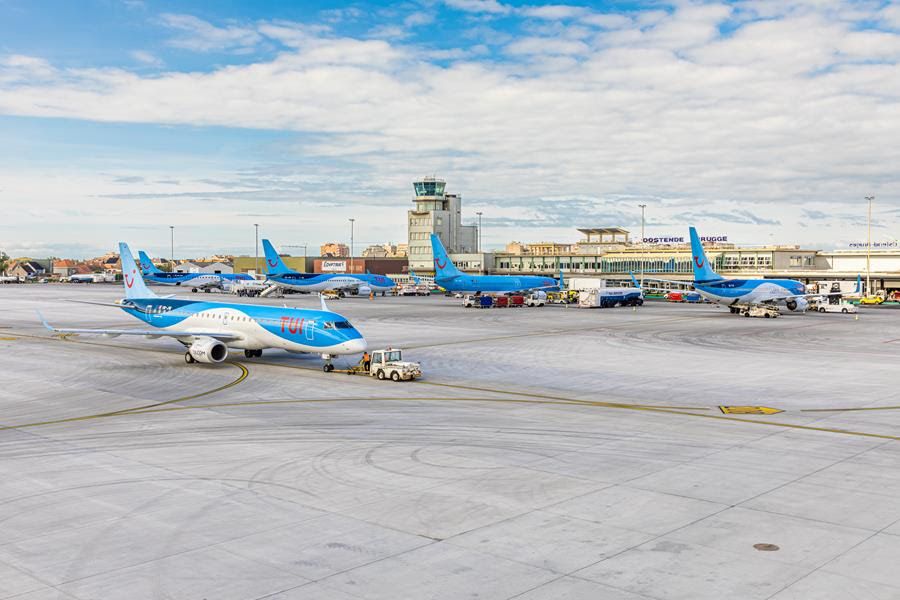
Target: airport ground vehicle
683	296
872	300
837	305
536	299
516	301
610	297
388	364
248	288
766	311
564	297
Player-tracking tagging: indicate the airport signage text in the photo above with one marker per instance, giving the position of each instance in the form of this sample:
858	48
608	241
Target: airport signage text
680	239
891	244
334	265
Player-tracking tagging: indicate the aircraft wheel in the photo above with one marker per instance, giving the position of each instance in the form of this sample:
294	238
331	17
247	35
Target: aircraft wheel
380	375
395	376
188	358
768	316
328	368
194	290
206	290
249	353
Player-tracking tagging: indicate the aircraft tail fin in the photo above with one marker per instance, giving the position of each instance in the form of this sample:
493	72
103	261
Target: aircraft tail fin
274	264
443	266
147	266
131	275
634	280
858	289
414	277
562	282
702	270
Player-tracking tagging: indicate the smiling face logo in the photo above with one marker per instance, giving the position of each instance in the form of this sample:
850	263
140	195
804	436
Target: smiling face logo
699	262
271	262
131	282
438	263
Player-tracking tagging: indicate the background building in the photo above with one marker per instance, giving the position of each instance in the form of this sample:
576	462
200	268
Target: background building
334	249
441	213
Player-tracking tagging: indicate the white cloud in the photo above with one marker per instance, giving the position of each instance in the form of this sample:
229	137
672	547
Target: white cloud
144	57
418	19
546	46
201	36
554	12
479	6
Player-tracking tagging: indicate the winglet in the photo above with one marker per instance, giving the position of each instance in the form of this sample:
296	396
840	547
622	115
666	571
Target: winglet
322	300
44	321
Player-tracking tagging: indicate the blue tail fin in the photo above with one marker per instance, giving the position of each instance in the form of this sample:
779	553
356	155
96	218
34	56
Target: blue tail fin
415	277
443	266
858	284
634	280
562	282
702	270
147	266
131	275
274	264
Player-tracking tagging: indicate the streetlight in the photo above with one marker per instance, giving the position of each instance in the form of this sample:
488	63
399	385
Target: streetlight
643	206
869	199
256	264
351	244
172	248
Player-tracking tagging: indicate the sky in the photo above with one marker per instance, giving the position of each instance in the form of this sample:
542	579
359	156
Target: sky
768	121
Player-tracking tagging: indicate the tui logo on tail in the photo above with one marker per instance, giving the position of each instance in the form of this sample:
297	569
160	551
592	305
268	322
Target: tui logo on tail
438	264
271	262
127	282
699	262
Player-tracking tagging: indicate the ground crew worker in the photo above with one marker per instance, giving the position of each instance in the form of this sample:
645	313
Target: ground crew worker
367	361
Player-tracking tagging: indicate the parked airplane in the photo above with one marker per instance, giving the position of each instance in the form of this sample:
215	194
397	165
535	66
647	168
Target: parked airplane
195	281
453	280
743	292
279	274
208	329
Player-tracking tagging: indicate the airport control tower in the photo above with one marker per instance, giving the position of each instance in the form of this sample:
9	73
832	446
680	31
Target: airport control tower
436	212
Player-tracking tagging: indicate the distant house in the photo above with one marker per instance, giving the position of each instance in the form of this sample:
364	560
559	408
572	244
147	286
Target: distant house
64	267
26	269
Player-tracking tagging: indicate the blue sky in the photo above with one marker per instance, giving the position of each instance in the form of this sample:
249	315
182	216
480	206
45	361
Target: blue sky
765	120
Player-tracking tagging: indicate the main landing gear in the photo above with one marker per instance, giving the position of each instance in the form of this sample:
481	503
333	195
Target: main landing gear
188	358
253	353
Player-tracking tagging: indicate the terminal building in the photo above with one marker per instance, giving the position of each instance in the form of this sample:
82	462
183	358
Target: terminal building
609	253
438	212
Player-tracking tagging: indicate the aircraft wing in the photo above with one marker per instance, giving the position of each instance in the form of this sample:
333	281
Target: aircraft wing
151	333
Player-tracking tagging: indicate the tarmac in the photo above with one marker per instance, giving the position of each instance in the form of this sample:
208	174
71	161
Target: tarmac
668	452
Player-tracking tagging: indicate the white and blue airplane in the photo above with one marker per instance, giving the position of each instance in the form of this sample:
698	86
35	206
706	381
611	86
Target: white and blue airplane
195	281
452	279
735	293
208	329
279	274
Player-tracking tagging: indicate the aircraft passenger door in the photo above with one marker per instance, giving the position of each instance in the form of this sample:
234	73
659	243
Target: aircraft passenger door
308	329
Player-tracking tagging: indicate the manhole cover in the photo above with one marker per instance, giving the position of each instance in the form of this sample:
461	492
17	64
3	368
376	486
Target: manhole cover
766	547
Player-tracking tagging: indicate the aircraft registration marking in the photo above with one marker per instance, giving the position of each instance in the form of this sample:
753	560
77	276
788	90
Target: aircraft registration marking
749	410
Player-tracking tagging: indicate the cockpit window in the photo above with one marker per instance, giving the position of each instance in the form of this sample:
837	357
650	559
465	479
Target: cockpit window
343	325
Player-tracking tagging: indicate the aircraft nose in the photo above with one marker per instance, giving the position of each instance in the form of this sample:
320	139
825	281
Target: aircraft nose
356	346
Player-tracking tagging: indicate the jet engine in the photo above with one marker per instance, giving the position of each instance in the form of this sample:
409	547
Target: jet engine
798	305
208	350
363	290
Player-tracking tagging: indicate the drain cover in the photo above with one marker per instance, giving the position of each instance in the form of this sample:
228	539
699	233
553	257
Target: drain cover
766	547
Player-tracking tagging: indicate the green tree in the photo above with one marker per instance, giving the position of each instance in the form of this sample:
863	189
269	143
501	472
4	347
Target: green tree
4	262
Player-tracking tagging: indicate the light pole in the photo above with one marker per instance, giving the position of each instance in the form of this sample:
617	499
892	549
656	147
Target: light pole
256	263
478	236
172	248
351	244
869	199
643	206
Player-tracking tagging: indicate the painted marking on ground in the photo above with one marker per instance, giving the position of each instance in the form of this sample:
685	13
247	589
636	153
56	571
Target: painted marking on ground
243	375
749	410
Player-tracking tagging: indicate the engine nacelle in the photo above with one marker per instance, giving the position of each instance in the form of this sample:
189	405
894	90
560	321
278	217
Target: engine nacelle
797	305
208	350
363	290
